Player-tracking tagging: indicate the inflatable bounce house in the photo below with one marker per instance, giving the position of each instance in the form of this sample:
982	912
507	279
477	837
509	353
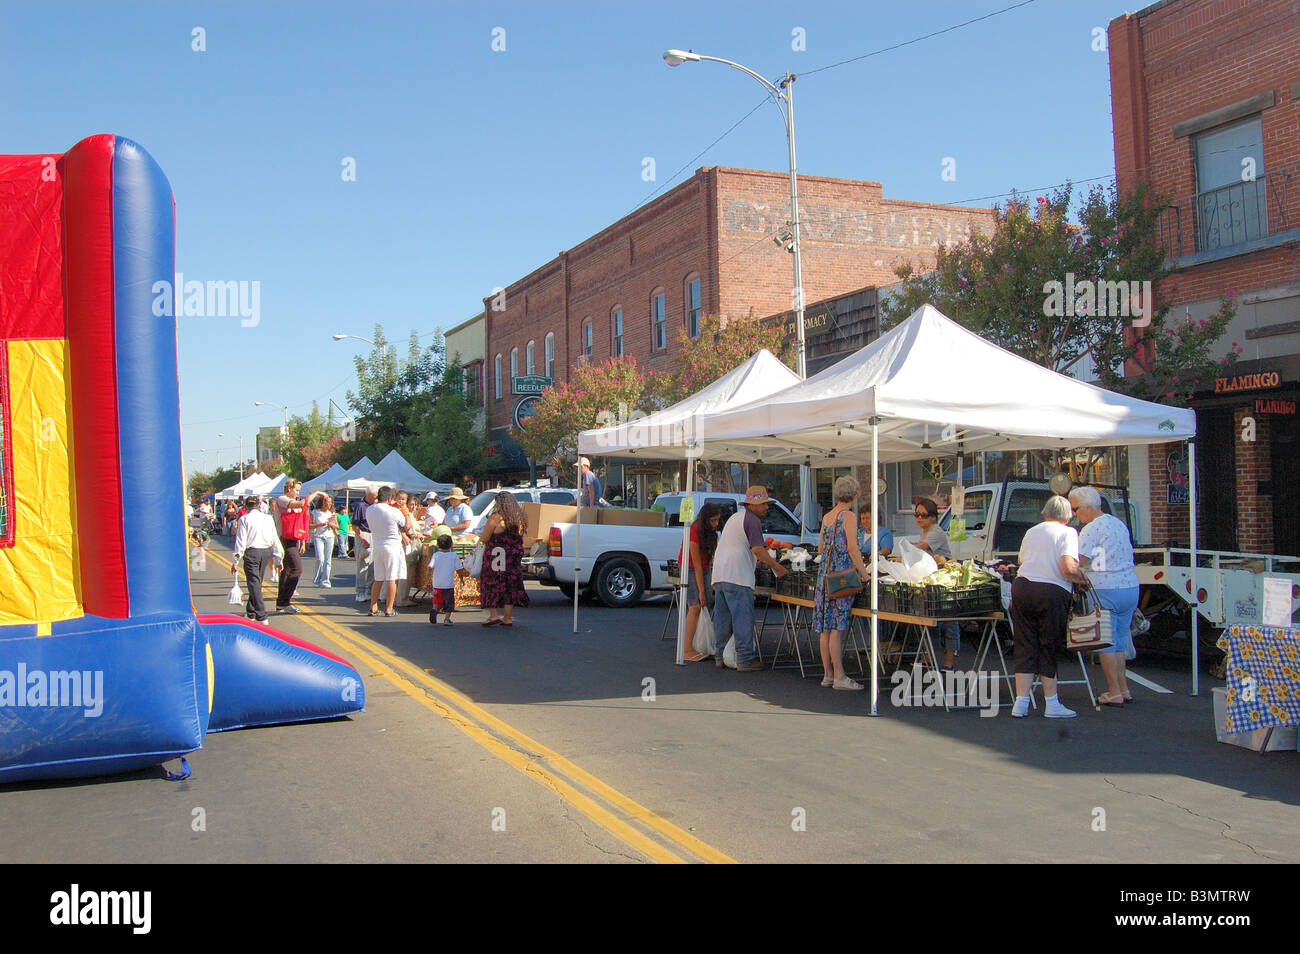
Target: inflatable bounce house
104	666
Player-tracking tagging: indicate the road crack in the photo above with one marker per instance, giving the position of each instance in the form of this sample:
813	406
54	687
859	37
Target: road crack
1223	833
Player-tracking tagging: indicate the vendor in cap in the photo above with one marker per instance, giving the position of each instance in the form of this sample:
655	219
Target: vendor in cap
588	482
434	513
459	517
739	546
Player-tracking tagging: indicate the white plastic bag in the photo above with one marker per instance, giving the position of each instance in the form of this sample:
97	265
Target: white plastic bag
917	564
729	654
275	573
236	598
703	642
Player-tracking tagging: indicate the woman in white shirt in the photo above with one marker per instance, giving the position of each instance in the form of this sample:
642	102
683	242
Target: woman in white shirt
324	525
1106	551
1040	605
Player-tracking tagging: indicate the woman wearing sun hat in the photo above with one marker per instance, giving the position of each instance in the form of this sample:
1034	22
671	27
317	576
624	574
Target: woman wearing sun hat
459	517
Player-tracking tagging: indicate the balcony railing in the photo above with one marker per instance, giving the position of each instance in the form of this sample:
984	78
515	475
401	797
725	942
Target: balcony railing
1225	219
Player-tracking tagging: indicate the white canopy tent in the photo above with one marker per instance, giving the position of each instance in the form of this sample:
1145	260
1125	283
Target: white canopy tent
670	433
926	386
359	469
321	481
394	472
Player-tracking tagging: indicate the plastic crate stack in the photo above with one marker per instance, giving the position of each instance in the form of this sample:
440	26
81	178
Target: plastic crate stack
797	583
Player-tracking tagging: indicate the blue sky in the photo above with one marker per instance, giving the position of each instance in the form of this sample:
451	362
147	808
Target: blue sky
475	166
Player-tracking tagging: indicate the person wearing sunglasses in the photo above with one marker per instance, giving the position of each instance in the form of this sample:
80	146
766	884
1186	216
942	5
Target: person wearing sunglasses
935	542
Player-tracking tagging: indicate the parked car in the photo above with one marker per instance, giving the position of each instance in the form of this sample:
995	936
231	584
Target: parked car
620	563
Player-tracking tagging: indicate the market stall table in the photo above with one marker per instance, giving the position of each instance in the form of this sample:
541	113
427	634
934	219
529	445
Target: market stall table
466	588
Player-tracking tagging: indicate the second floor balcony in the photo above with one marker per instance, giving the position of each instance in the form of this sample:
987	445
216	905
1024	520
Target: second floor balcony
1232	220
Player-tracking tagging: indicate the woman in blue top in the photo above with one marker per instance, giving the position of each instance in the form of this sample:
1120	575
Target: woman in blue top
864	534
832	617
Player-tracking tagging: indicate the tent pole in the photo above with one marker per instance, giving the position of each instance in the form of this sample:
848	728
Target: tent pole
577	550
875	568
1196	602
685	568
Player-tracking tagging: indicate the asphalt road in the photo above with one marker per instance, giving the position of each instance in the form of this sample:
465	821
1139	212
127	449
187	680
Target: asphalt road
540	744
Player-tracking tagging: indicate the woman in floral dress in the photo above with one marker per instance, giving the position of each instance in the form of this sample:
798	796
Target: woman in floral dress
501	581
832	617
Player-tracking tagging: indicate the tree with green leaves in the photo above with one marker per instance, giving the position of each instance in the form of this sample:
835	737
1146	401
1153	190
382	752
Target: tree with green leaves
389	389
305	443
720	348
596	395
446	435
1047	288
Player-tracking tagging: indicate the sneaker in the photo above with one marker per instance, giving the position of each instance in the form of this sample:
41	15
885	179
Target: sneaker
1021	707
848	684
754	665
447	621
361	599
328	585
1059	711
287	610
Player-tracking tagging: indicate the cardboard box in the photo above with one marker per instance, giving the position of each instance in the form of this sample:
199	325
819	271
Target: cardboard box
542	516
1284	738
613	517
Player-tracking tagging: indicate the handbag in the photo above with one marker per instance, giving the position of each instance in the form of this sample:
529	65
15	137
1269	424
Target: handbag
842	583
476	562
1084	631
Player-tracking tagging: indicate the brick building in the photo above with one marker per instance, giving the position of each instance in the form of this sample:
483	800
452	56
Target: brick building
1206	107
705	247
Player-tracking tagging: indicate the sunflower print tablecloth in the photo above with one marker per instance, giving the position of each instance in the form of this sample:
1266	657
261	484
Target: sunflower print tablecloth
1263	677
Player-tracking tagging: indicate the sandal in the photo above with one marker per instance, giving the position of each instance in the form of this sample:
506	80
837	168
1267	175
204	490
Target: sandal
828	682
373	612
506	622
696	657
491	622
389	613
1106	699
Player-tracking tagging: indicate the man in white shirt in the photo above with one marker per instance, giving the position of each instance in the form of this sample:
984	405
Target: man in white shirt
739	545
257	542
389	555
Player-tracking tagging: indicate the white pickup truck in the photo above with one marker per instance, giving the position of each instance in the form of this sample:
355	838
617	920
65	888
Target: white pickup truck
619	564
1230	585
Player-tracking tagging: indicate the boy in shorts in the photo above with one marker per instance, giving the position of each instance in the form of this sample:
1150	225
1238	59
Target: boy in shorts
446	566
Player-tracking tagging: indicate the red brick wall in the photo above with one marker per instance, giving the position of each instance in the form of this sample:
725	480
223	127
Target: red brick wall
1254	513
716	227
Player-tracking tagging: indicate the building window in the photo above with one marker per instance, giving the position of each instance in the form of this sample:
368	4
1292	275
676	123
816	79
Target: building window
1231	206
616	334
473	397
586	341
496	367
550	356
694	311
530	356
514	367
659	321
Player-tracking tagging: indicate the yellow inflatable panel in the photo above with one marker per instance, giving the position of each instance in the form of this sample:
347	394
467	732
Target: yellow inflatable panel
39	577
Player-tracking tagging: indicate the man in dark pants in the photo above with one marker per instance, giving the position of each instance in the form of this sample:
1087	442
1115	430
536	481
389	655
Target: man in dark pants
291	513
361	536
256	544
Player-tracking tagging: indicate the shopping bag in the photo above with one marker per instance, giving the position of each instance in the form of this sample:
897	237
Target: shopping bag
917	564
236	598
476	562
1086	629
703	642
275	573
729	654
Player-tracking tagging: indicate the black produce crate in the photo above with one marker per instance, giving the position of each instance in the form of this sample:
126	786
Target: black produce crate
764	577
798	583
887	596
962	600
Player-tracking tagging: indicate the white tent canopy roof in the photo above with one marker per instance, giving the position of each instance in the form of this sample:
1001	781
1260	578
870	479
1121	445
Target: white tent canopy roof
671	429
359	469
321	481
937	388
395	472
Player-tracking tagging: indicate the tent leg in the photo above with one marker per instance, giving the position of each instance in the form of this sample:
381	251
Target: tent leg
1196	603
875	569
685	568
577	552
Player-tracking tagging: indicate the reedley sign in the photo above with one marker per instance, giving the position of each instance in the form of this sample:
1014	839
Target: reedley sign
1246	382
531	384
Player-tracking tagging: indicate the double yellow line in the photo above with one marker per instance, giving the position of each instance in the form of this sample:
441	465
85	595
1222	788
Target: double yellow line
633	823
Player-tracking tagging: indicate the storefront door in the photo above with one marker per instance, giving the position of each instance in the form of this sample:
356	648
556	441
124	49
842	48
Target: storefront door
1285	445
1216	459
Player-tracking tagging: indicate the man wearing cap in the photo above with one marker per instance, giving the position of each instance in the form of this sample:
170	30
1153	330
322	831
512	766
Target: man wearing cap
589	483
739	545
458	517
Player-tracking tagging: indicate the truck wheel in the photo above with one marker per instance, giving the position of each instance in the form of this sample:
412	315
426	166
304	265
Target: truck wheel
619	583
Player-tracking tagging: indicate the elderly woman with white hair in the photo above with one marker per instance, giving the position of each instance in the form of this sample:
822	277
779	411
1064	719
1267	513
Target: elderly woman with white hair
1040	605
1106	551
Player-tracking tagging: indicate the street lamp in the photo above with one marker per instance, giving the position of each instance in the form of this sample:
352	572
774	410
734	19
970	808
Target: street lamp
383	347
241	452
273	404
782	94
